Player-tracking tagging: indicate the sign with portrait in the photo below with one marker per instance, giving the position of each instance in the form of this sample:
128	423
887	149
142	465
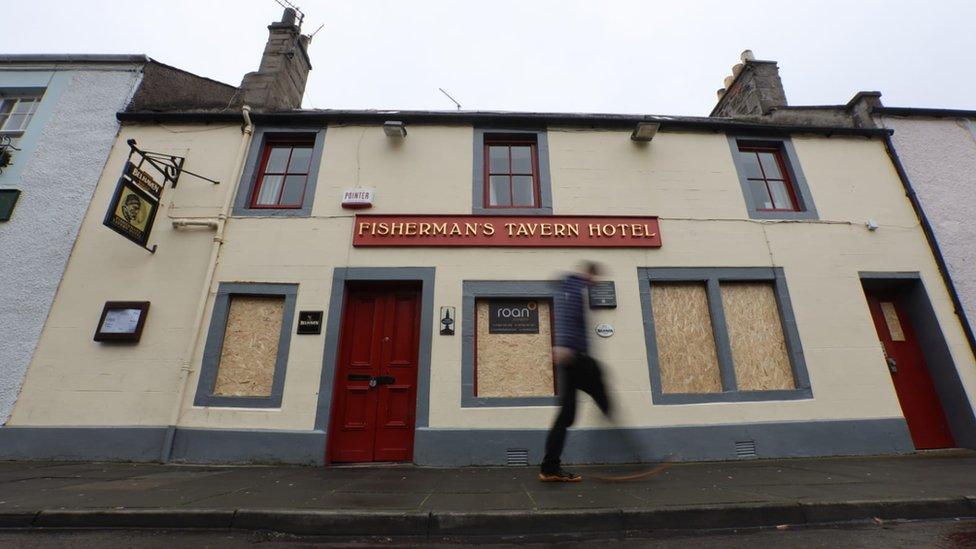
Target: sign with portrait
513	317
132	210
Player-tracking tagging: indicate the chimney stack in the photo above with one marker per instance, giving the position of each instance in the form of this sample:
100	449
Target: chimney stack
279	83
753	89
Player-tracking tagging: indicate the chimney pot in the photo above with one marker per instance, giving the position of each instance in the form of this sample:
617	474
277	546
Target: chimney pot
736	69
728	81
720	92
747	55
288	18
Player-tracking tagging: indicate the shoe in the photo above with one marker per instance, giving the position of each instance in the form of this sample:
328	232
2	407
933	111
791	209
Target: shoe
559	475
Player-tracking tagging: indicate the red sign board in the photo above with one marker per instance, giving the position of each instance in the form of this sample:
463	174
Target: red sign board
553	231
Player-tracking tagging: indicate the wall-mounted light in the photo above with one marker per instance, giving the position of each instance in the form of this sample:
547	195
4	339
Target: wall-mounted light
394	128
645	131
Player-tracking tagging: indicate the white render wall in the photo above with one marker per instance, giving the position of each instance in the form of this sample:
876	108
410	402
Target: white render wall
939	155
66	146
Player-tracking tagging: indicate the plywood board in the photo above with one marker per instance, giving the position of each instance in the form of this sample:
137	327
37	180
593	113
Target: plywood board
514	365
756	335
685	341
250	350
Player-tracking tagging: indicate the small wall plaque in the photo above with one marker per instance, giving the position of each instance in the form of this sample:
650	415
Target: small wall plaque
447	321
604	330
122	321
309	322
603	295
361	197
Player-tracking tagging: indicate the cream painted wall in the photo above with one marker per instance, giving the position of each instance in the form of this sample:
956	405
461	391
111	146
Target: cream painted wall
73	380
688	179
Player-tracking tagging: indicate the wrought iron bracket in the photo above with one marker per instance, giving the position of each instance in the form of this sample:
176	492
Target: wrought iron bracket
169	165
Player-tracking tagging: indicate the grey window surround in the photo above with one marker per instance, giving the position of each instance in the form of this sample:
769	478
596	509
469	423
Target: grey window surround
792	161
473	290
478	205
250	175
711	277
215	341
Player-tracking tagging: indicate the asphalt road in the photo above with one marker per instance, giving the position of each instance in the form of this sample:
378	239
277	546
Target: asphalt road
915	534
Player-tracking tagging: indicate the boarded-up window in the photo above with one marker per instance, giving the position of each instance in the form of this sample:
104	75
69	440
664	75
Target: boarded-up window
250	348
759	352
685	341
515	360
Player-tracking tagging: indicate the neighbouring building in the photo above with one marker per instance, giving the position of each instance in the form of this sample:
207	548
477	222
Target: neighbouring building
378	286
934	151
57	126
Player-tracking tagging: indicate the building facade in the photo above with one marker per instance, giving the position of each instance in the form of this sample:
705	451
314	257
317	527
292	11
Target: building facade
57	126
937	149
749	295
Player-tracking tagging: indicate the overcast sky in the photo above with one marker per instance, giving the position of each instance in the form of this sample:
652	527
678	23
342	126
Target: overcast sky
620	56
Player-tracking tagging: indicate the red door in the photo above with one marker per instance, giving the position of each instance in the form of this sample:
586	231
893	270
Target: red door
375	396
913	384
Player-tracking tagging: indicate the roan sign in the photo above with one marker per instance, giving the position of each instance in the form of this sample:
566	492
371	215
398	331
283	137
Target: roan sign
513	317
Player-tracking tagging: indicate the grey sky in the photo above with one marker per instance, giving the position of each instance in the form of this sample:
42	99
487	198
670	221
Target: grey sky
540	55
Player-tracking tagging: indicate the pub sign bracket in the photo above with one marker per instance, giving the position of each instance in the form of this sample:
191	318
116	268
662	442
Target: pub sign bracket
170	166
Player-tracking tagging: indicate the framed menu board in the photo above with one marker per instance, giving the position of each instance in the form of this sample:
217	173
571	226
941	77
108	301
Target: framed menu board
122	321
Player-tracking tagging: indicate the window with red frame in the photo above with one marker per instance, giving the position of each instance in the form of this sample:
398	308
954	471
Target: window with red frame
511	172
770	186
283	174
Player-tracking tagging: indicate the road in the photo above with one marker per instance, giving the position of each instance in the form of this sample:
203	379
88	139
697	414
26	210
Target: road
915	534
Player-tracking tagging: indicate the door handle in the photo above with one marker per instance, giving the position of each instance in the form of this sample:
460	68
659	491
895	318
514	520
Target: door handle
892	365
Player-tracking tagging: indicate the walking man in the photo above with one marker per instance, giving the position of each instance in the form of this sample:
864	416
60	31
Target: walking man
579	372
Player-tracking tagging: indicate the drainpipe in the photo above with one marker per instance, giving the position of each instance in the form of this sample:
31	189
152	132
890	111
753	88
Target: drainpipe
218	239
930	237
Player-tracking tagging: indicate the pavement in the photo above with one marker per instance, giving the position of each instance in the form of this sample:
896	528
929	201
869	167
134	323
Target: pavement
437	503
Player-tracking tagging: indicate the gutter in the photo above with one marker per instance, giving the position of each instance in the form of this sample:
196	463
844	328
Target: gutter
913	111
933	243
498	119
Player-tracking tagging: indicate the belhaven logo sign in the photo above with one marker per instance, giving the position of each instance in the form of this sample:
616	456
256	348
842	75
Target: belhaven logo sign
554	231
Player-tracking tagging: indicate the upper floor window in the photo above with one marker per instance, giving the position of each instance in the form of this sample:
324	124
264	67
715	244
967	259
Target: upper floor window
16	112
283	174
772	182
769	182
511	172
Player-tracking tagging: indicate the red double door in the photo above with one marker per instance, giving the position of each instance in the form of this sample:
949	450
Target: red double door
909	373
374	404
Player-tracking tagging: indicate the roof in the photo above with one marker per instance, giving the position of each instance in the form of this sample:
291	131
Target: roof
493	118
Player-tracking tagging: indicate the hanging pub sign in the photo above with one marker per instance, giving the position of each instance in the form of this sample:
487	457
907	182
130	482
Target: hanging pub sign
134	204
132	210
549	231
513	317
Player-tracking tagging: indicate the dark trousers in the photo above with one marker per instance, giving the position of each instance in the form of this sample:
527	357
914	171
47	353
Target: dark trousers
581	373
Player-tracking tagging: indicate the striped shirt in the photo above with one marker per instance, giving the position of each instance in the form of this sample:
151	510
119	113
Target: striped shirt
570	315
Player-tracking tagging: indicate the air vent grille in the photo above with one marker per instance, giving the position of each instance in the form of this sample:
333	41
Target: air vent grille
745	449
517	457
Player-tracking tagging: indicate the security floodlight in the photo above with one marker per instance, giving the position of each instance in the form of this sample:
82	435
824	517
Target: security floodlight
645	131
394	128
